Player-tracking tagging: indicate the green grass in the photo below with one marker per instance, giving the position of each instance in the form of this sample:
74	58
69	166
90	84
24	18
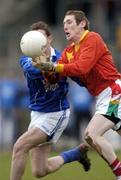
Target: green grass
73	171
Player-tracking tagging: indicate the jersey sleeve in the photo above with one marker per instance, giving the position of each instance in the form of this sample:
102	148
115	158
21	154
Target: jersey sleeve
26	64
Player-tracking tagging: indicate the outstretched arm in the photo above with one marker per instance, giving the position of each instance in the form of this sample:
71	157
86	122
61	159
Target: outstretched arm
82	62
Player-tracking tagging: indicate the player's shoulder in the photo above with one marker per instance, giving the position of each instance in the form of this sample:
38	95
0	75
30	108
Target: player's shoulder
93	34
23	57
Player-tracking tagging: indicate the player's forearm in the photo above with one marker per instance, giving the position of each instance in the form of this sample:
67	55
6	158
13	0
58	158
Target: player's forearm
31	71
69	69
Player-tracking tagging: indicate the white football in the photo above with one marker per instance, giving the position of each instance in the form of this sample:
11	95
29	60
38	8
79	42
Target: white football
32	43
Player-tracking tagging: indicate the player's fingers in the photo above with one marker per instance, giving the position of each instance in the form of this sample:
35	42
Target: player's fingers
33	59
36	59
34	63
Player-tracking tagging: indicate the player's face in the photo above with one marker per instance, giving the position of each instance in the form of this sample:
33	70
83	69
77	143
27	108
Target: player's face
49	39
71	29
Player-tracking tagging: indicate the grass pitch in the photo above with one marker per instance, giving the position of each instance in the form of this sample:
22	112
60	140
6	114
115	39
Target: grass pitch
73	171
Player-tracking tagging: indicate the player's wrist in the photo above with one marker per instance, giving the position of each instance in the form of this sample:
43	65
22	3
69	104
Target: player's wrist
59	67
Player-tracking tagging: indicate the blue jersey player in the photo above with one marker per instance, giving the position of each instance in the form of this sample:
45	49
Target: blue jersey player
49	117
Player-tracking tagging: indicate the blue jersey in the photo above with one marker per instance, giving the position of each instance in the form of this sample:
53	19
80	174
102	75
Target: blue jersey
44	97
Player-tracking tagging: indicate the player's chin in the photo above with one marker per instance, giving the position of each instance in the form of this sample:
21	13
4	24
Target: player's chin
69	39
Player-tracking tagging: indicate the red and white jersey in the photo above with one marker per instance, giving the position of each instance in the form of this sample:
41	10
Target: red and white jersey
90	61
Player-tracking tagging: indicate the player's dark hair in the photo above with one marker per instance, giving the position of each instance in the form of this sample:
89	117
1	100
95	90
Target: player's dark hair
41	25
79	16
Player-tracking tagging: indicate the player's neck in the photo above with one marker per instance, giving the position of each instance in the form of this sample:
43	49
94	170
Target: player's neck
79	37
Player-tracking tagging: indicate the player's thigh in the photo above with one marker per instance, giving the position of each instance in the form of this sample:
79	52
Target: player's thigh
32	137
106	111
98	125
39	156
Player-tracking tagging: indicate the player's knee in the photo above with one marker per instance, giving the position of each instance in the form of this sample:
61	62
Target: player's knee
38	173
19	148
88	137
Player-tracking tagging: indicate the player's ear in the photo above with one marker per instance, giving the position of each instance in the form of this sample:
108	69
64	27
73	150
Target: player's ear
50	39
82	24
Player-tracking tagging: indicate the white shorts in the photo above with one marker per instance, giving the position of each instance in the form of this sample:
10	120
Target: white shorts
109	103
53	124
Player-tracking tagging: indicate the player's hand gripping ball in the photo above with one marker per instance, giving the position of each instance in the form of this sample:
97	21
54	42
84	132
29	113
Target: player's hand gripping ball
32	43
51	77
